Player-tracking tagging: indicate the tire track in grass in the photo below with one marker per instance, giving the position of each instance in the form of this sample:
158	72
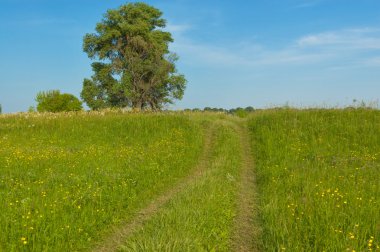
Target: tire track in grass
246	235
201	217
119	235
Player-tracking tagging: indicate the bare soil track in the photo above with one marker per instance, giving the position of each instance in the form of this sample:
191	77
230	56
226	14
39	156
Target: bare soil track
117	238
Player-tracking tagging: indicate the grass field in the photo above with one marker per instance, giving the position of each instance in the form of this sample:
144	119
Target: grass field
318	174
66	179
178	181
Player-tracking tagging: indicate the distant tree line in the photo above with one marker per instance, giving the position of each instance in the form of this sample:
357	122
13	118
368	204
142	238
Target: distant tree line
235	111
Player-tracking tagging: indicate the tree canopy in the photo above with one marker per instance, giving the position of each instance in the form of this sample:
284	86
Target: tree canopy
134	66
54	101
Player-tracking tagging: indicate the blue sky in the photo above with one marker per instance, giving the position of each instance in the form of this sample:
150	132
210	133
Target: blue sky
233	53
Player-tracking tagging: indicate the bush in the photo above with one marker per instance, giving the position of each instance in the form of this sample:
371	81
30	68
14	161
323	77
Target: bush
240	112
249	109
31	109
54	101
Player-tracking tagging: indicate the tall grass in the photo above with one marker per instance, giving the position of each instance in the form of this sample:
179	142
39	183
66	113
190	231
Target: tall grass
66	179
318	174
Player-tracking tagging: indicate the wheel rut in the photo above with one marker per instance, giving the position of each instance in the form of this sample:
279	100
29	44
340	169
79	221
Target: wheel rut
117	238
246	232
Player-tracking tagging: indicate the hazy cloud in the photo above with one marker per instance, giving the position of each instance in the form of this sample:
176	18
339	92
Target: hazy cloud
177	29
373	62
354	39
307	4
344	47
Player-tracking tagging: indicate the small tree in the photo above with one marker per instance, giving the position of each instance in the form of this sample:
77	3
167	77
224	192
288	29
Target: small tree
249	109
31	109
0	109
54	101
240	112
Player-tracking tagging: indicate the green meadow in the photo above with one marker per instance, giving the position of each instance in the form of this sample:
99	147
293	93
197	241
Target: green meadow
114	181
66	179
318	179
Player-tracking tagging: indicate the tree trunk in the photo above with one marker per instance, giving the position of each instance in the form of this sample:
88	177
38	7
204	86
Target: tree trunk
137	105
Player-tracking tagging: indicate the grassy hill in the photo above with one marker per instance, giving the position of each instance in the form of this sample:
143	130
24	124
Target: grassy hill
284	179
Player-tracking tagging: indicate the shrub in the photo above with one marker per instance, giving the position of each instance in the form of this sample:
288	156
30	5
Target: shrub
31	109
54	101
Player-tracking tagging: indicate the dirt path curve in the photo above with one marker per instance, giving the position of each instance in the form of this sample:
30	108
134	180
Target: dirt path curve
119	236
246	230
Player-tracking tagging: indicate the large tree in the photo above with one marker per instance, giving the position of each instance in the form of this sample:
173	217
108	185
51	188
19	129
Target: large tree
134	66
